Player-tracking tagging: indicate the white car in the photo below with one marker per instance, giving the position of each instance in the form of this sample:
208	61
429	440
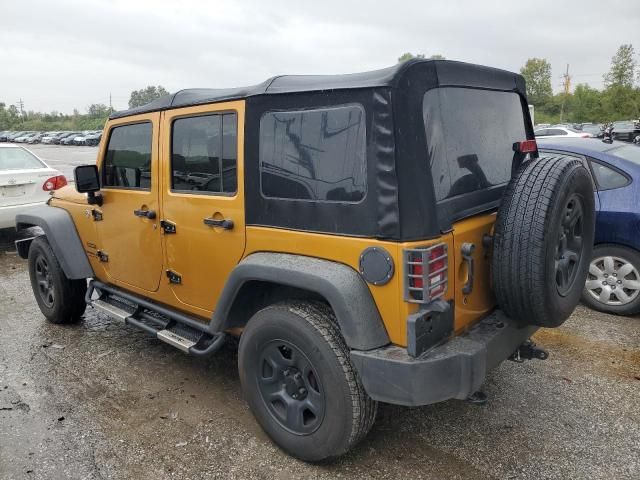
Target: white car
25	182
560	132
49	136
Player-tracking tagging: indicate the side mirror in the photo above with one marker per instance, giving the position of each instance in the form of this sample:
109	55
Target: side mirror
87	181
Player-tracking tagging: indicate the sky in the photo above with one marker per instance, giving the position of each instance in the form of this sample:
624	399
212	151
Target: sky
65	54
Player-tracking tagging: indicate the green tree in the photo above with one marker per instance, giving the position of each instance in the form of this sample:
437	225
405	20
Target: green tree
586	104
623	67
146	95
537	74
98	110
408	56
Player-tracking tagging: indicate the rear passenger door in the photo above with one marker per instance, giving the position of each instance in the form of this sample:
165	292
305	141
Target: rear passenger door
202	199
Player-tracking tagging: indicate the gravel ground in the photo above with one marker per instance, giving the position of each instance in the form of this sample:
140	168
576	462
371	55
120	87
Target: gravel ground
98	400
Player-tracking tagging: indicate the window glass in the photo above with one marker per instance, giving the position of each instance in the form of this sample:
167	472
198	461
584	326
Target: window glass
204	154
17	159
127	163
541	133
470	136
607	178
556	131
317	155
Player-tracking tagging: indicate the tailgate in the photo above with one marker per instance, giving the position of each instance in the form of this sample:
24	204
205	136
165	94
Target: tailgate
472	290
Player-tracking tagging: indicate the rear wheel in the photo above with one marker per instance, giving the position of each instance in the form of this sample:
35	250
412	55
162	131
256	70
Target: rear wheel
299	382
60	300
613	283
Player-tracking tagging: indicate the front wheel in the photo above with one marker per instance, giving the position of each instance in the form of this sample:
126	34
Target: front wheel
299	382
60	300
613	284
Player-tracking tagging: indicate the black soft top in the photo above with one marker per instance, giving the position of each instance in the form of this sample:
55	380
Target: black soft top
447	73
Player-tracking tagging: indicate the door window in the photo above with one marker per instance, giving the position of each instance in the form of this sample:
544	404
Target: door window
127	163
204	154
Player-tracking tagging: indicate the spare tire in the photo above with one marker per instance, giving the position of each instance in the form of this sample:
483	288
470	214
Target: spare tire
543	241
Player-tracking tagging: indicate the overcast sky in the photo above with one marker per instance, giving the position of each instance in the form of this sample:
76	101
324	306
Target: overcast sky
65	54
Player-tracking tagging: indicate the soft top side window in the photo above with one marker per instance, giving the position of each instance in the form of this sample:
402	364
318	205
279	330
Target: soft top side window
127	161
314	155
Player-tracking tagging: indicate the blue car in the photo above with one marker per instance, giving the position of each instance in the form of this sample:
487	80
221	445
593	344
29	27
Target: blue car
613	284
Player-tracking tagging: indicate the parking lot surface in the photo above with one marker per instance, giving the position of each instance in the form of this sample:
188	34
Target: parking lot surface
64	158
100	400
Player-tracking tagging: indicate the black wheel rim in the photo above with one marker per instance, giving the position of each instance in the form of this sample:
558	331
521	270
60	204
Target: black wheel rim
570	245
290	387
44	281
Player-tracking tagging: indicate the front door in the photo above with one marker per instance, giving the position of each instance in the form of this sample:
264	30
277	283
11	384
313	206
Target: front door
202	199
130	243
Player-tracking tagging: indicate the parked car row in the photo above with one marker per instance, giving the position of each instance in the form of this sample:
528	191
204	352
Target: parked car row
623	130
86	137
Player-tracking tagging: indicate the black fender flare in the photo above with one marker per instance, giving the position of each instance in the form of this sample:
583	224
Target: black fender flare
344	289
61	234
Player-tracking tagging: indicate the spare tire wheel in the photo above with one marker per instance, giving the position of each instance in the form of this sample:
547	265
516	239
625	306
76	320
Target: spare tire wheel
543	241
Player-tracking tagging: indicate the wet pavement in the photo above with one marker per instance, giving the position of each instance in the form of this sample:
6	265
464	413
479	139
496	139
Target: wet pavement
99	400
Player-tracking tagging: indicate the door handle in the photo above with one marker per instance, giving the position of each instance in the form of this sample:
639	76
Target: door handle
224	223
150	214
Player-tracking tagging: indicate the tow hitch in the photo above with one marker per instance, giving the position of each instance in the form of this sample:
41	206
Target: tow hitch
528	351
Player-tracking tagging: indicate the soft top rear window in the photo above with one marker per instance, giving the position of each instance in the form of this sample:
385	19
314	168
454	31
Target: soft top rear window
470	135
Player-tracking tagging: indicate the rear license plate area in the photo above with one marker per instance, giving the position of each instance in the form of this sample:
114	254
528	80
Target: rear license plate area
12	191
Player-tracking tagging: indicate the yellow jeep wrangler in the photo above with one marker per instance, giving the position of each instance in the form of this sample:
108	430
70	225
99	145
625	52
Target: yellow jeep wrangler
387	236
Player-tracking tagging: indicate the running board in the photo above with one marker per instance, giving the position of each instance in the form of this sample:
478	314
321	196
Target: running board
174	328
111	310
175	340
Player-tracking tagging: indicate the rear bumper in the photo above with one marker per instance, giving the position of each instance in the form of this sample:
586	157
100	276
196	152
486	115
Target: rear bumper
8	214
455	369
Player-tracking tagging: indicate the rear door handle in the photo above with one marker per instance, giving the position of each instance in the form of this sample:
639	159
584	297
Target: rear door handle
150	214
224	223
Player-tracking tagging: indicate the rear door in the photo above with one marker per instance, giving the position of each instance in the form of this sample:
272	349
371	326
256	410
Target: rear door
203	199
128	232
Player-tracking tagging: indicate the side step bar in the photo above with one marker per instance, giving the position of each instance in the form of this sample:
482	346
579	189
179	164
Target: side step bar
174	328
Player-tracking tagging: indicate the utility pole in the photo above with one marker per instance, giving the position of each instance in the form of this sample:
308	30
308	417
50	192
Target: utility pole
566	84
21	105
110	104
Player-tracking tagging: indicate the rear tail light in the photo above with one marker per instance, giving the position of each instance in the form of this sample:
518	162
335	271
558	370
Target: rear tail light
585	135
54	183
426	274
527	146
